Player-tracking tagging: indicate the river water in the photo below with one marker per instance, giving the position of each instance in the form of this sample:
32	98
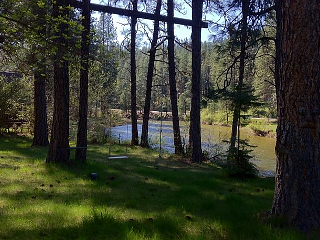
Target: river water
212	141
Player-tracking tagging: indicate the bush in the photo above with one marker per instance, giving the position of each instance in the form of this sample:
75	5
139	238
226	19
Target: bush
97	134
15	102
207	116
211	116
238	161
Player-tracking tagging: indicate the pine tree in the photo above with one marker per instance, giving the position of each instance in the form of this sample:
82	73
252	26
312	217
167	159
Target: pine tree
59	144
146	112
297	191
81	151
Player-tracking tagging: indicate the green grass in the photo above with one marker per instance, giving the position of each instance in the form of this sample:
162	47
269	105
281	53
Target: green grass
141	197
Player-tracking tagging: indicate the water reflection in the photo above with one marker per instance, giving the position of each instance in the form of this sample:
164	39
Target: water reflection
212	136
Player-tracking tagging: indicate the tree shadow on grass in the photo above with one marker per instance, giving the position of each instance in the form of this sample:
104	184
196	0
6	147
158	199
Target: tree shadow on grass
101	225
176	198
20	147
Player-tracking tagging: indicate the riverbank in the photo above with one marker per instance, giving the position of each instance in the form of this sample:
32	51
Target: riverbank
142	197
262	127
213	137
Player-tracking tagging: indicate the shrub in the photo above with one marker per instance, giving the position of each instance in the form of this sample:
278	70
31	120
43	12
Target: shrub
207	116
238	161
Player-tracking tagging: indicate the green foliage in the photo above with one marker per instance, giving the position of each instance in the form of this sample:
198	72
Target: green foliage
15	99
238	161
264	82
217	112
98	128
8	93
207	115
104	61
24	38
243	97
97	134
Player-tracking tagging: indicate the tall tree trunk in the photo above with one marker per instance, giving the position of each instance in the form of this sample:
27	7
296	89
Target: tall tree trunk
40	137
195	128
172	81
297	190
237	108
59	144
146	112
81	151
135	137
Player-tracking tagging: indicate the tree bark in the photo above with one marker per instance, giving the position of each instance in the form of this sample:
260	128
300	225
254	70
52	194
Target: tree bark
297	191
81	151
40	137
152	57
40	130
59	144
135	137
237	106
195	128
172	81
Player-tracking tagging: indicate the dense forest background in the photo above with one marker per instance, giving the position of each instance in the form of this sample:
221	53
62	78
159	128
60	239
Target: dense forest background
109	76
79	69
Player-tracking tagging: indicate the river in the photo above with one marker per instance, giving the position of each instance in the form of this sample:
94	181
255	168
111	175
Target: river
212	140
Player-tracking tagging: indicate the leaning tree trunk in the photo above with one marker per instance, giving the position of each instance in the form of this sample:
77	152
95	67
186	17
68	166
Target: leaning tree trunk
237	105
297	190
81	151
172	81
152	57
59	143
134	138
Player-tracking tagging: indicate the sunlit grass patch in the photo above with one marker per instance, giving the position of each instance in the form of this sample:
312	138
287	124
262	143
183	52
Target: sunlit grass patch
142	197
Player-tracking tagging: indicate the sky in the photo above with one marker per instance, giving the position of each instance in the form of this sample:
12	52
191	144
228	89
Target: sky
181	32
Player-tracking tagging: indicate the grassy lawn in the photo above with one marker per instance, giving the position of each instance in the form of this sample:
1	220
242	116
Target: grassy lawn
141	197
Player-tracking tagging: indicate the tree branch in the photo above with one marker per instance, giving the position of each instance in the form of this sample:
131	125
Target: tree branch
264	11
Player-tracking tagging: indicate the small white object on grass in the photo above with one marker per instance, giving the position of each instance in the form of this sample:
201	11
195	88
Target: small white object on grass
118	157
